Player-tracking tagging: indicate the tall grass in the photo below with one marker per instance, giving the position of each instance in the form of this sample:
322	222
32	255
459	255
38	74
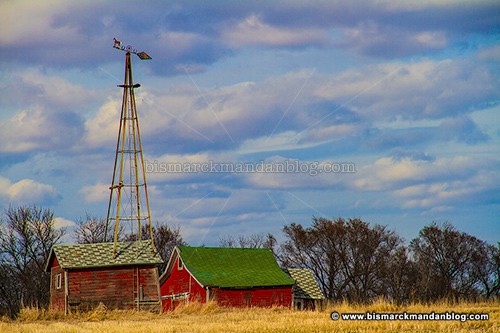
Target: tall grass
210	318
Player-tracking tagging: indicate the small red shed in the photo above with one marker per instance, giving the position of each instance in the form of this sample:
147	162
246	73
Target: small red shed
85	275
231	276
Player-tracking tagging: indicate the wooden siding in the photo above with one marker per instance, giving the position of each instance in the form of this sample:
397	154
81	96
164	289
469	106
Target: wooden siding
180	282
57	295
116	287
306	303
180	287
258	296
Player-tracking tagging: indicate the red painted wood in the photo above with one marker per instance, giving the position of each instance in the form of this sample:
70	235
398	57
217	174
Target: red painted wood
116	287
258	296
178	282
56	295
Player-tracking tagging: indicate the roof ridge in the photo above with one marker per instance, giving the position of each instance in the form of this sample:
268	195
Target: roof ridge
102	255
95	244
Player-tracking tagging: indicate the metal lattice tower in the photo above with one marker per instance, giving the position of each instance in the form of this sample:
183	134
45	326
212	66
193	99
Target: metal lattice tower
128	197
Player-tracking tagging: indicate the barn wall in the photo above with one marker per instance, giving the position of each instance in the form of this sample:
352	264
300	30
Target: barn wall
304	303
57	298
259	296
179	282
112	286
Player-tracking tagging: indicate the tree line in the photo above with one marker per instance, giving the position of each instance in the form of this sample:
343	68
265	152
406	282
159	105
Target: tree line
351	260
354	261
27	235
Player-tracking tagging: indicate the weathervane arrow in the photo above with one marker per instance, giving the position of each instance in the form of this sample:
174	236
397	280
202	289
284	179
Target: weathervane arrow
129	49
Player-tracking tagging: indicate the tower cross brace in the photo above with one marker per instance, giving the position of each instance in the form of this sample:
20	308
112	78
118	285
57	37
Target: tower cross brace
128	197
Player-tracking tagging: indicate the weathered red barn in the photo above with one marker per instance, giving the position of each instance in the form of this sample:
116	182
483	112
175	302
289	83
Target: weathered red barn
85	275
231	276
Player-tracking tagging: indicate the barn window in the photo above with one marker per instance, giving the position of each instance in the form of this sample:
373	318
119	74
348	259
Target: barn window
58	281
179	264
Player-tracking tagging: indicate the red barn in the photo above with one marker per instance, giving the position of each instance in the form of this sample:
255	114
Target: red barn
84	275
231	276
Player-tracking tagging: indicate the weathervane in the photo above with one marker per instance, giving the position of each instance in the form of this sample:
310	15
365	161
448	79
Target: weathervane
129	49
128	191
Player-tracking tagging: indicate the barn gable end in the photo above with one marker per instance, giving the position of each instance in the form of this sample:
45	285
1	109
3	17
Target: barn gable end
84	275
231	276
306	292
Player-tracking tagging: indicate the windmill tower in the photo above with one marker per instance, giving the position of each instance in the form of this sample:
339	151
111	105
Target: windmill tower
128	197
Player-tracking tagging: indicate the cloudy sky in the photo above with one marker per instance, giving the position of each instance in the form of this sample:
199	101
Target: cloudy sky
407	92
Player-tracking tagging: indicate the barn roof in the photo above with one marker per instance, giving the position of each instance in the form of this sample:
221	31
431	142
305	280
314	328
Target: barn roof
233	267
101	255
306	285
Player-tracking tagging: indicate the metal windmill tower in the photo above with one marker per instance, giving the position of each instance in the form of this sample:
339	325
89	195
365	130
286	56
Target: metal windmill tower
128	197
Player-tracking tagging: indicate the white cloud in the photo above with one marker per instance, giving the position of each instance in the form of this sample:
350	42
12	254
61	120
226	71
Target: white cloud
430	184
431	39
32	22
95	193
281	141
298	174
222	116
50	113
102	129
389	173
177	167
38	128
327	133
252	31
427	89
26	191
491	53
60	222
52	89
176	44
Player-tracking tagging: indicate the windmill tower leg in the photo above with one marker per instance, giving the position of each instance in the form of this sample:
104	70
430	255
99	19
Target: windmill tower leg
128	190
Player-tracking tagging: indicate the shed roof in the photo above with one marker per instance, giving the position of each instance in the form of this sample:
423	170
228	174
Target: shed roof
233	267
101	255
306	285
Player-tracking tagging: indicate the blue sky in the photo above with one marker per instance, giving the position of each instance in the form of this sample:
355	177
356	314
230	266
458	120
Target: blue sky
406	91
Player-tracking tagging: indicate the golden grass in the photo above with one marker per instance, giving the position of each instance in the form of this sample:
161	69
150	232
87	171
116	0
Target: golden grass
208	318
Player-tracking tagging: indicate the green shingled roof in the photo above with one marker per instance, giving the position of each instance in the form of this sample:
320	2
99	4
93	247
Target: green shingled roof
306	285
101	255
233	267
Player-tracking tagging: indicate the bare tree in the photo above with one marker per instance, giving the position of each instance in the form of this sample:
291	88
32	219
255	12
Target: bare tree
26	238
252	241
92	229
164	237
451	263
350	259
484	269
402	277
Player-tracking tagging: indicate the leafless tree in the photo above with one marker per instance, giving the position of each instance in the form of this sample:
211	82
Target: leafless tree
253	241
402	277
451	264
92	229
27	235
350	259
164	237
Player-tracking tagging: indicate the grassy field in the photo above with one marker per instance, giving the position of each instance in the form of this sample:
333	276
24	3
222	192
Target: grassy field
211	318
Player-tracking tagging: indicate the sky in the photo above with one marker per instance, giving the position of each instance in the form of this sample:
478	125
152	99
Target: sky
403	93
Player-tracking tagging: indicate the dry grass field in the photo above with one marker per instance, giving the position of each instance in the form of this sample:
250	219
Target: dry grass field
211	318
